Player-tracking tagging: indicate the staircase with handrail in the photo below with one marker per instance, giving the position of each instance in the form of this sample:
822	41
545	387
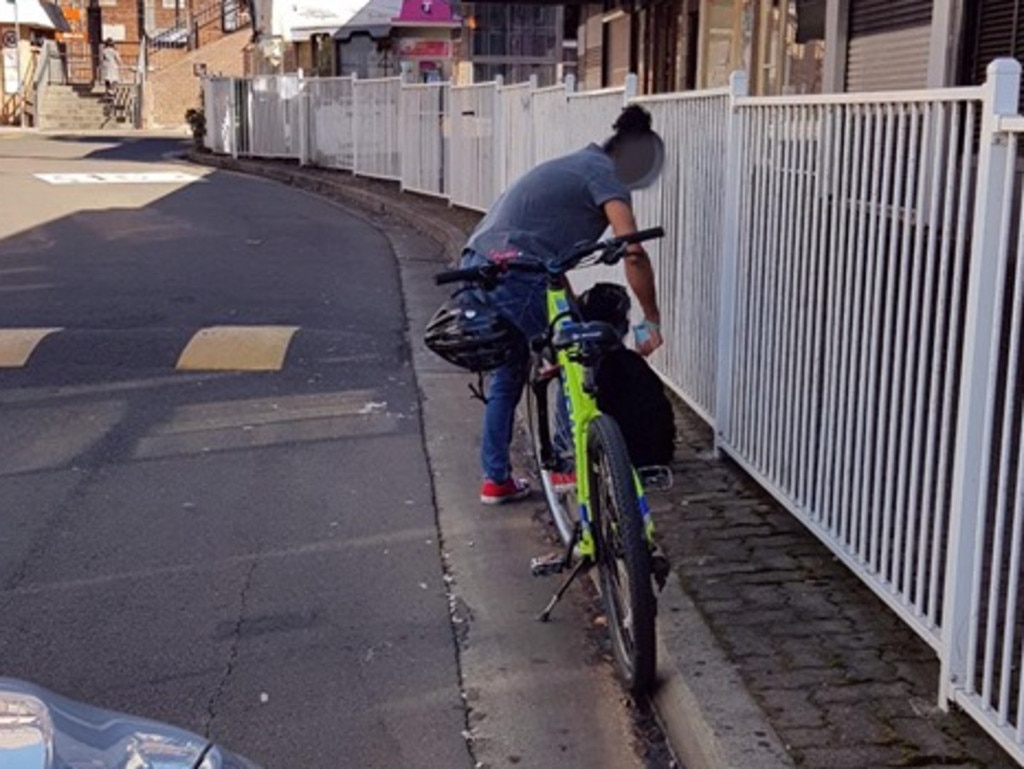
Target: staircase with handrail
202	24
60	94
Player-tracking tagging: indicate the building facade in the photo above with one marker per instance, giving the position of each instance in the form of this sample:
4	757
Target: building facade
421	40
678	45
903	44
515	40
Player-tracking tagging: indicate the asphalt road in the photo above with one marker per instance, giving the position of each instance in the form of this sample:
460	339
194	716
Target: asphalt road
215	508
228	499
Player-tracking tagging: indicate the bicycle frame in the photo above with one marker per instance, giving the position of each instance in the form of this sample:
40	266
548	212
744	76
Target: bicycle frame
582	410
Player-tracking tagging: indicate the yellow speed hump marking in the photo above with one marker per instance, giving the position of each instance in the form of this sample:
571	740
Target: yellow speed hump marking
237	348
17	344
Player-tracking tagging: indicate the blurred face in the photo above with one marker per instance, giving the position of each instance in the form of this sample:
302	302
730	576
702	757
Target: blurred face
639	160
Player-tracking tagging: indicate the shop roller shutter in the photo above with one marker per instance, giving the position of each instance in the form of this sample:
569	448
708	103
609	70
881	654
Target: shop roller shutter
997	34
888	44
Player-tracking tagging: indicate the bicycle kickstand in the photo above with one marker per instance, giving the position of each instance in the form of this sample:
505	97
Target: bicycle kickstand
580	566
577	569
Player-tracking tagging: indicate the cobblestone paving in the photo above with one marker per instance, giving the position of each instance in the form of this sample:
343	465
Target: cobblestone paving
844	682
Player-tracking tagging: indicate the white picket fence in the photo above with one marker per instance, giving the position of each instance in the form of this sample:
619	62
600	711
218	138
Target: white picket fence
842	289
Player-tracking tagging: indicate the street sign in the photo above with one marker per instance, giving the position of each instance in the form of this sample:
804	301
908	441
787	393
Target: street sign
12	82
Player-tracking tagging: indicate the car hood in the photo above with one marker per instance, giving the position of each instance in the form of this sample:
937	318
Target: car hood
43	730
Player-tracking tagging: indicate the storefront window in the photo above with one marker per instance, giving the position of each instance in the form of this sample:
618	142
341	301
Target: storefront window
514	41
510	30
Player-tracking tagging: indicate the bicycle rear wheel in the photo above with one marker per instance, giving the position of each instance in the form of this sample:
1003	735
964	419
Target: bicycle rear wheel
623	557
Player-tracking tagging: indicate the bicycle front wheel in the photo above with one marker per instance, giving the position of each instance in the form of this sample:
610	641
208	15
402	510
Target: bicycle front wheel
623	557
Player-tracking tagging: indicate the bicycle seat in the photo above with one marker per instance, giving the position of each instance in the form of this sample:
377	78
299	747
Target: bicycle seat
588	333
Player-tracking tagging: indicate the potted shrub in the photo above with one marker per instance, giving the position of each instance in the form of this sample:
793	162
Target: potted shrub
197	122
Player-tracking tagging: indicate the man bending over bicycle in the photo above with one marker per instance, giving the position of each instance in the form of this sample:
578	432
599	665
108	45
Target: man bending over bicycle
558	204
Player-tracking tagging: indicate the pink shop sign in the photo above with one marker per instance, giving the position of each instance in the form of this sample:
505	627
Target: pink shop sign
420	48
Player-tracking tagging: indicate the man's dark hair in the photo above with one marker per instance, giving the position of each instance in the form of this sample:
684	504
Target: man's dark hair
634	120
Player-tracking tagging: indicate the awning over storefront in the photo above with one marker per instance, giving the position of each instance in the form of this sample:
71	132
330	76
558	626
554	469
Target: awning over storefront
373	19
302	34
375	31
377	17
304	18
344	18
34	14
57	17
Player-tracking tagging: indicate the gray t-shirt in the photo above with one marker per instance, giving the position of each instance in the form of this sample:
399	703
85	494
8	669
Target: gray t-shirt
551	208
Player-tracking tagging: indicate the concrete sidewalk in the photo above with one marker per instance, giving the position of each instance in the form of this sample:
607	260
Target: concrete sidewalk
772	653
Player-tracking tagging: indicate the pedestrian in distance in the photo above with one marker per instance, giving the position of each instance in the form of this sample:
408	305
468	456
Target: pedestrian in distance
110	67
547	211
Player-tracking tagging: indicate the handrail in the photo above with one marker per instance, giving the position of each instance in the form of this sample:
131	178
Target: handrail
964	93
40	80
186	33
26	89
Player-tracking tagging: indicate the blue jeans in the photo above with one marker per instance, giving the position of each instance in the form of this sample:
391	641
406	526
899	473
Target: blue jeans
521	299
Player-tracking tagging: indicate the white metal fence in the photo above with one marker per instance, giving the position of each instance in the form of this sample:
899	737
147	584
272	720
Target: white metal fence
687	200
842	290
331	105
474	137
847	324
424	116
275	121
982	648
591	114
516	114
375	127
550	107
217	107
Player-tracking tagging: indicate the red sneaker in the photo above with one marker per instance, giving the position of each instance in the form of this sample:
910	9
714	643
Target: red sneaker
563	482
510	490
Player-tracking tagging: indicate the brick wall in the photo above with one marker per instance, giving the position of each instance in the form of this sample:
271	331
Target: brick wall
120	20
173	89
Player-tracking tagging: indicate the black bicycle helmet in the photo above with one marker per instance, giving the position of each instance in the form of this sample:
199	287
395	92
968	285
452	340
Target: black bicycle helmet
471	334
608	302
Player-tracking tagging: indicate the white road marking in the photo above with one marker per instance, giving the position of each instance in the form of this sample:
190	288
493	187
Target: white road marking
151	177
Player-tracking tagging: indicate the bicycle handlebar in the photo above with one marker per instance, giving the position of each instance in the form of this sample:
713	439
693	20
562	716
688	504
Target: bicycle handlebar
612	250
622	240
486	271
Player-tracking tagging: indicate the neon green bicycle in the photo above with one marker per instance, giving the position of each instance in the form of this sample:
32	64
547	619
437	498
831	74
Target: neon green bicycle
612	527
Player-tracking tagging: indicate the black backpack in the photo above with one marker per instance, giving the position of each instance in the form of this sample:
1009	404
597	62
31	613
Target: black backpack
629	391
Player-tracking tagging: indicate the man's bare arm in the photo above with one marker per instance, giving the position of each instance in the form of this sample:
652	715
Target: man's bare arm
639	273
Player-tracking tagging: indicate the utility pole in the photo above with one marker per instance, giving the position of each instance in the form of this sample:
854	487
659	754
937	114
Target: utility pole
17	66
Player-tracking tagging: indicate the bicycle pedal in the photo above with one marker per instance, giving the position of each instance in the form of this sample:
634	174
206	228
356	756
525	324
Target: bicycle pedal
660	568
547	565
656	477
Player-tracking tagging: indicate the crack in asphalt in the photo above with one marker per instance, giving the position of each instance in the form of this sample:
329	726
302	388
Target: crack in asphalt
236	637
93	465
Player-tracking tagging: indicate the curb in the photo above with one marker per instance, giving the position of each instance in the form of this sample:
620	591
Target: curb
451	238
709	718
708	715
